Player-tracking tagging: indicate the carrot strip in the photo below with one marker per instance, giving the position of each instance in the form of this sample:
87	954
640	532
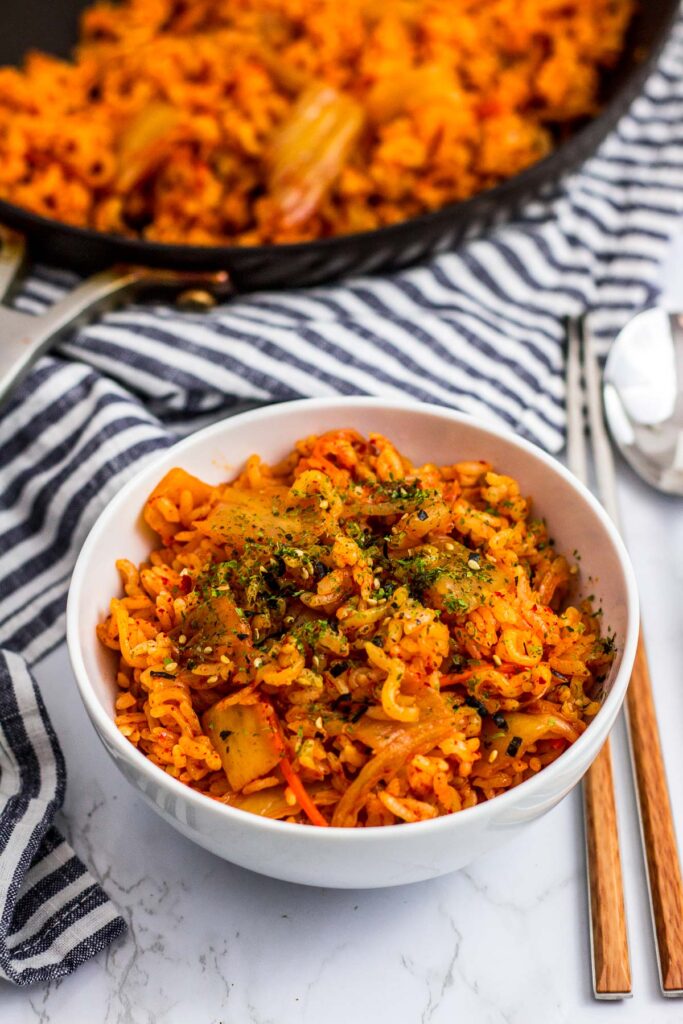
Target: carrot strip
452	679
299	790
291	777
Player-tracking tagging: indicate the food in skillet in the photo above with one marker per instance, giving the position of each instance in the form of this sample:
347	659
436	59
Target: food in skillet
258	121
347	639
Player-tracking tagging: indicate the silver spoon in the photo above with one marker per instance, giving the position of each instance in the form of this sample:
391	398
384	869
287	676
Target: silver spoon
643	396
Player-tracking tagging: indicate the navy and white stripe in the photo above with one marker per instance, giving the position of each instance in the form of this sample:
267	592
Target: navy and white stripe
480	329
53	914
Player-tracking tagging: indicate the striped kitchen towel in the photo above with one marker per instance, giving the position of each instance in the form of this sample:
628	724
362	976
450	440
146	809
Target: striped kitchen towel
53	915
480	329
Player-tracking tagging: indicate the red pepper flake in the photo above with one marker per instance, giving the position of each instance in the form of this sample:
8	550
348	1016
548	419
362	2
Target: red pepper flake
185	584
489	108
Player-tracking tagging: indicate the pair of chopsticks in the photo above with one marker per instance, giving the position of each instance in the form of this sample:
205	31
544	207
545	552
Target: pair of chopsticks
609	935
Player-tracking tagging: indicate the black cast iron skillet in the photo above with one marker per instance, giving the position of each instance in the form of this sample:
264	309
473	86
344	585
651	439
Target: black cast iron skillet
51	25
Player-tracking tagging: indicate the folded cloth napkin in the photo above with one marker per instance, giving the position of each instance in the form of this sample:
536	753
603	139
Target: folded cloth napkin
480	329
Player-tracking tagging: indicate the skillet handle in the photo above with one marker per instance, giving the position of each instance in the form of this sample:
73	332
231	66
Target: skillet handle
24	337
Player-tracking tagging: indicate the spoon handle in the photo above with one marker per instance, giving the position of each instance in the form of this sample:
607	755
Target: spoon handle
656	822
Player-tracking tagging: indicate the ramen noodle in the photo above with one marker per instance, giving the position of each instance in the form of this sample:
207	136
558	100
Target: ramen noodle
347	639
257	121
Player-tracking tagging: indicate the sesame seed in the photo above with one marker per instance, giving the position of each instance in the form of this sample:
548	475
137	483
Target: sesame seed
324	504
258	662
449	546
208	650
225	659
319	722
473	564
182	639
493	756
305	573
497	660
375	584
212	679
171	666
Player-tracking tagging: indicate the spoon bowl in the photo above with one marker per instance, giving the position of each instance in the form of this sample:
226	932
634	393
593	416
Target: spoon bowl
643	397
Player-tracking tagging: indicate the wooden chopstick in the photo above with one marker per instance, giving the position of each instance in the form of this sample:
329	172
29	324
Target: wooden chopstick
656	819
610	960
609	934
657	827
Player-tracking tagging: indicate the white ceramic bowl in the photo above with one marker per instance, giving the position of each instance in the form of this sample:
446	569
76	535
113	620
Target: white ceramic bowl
351	858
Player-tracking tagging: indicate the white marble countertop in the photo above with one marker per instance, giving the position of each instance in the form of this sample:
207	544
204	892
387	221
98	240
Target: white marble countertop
502	942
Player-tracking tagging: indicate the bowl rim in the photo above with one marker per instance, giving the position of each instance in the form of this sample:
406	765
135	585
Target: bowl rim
107	729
